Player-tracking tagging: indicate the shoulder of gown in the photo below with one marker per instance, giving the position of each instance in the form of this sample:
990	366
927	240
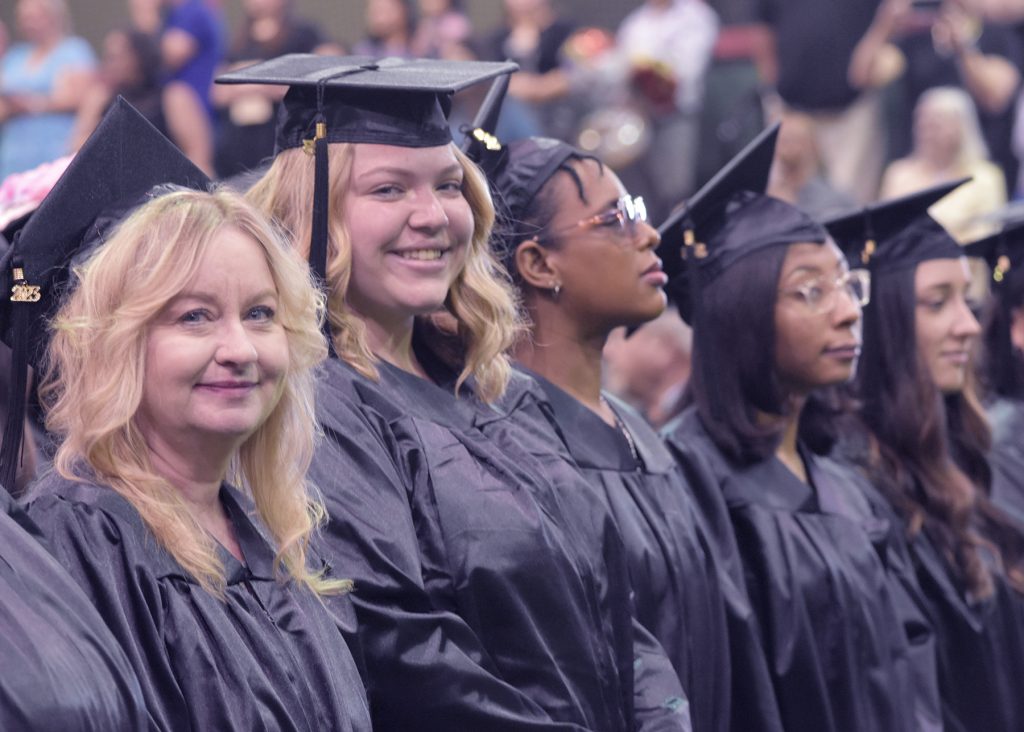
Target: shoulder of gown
62	669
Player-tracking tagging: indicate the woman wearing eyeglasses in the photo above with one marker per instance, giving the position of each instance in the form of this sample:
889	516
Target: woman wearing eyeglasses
581	253
924	447
776	318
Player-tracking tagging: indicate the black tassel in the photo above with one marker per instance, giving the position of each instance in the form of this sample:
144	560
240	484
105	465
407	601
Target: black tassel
14	427
321	213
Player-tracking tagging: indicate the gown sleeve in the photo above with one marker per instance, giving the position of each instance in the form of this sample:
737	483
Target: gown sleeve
427	669
659	700
104	553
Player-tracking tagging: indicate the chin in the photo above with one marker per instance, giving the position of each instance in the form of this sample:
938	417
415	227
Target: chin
424	305
645	315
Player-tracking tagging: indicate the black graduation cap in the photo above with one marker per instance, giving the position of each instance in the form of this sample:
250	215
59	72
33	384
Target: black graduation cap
360	99
122	161
517	171
515	181
480	140
727	219
898	233
1002	251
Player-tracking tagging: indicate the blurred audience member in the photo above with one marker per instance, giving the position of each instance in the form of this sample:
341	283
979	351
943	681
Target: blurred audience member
246	113
146	15
796	173
443	30
5	37
948	145
806	57
533	36
650	368
666	47
389	28
191	47
42	83
732	112
947	44
129	67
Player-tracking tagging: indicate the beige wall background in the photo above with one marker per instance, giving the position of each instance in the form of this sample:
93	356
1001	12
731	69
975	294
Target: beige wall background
341	19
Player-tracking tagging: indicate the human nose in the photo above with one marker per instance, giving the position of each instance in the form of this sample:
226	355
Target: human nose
846	309
235	345
646	236
428	212
966	325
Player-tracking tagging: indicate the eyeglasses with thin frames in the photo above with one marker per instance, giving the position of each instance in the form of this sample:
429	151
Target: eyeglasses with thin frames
623	218
819	294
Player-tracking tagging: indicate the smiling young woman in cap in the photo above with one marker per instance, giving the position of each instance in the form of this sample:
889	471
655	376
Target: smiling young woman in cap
490	594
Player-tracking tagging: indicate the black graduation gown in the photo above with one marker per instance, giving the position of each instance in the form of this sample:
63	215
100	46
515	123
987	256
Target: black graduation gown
1007	457
810	560
269	657
60	668
676	590
980	647
487	599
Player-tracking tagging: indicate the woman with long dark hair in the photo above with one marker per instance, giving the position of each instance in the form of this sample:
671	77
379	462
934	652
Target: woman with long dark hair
581	254
491	594
1001	368
924	449
776	320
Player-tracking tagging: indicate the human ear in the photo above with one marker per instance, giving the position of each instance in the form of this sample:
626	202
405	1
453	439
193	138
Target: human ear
535	266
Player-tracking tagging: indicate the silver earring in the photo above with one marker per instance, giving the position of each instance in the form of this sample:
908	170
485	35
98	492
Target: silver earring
557	289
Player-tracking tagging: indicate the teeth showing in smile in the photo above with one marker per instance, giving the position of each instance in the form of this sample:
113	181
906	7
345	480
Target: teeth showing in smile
424	255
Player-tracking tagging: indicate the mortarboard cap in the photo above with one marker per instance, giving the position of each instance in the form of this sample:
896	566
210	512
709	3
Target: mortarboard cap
123	159
727	219
524	169
389	101
898	233
1001	251
516	172
360	99
480	141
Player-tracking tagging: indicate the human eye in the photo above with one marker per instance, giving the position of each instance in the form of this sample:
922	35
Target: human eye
451	186
934	303
610	218
813	292
387	191
261	314
195	316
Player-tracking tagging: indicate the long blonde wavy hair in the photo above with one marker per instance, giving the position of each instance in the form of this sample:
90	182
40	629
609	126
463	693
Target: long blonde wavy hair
95	368
481	298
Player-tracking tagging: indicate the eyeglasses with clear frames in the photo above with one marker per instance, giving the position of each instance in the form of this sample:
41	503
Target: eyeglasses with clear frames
623	217
819	294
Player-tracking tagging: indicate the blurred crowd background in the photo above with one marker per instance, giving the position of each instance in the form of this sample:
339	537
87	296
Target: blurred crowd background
879	97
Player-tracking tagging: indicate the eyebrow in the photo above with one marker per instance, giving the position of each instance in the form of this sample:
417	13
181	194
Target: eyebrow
209	297
803	270
407	173
947	287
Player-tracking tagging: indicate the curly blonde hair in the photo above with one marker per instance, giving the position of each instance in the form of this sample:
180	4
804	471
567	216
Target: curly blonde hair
95	368
481	298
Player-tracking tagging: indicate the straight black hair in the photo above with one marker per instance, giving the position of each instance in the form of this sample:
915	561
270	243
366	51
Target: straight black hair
733	382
